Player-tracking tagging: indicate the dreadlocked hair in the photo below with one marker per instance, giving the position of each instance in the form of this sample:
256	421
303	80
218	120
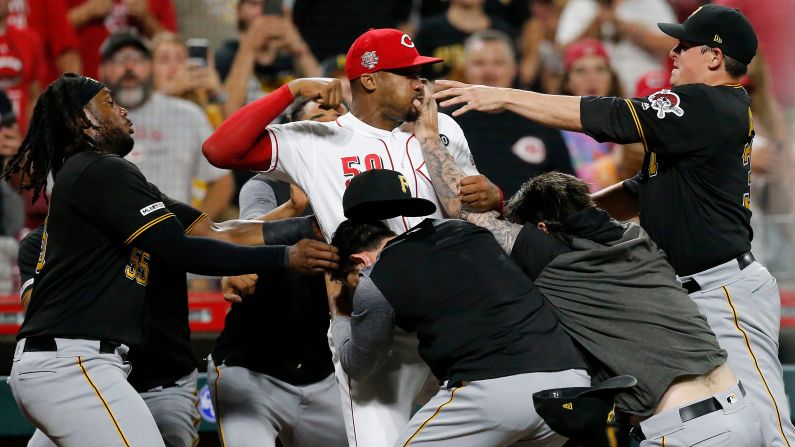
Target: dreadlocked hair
56	131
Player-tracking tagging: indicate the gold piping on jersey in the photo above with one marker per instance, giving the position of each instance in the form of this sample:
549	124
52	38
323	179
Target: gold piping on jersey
756	364
436	413
102	399
635	118
218	408
147	226
198	219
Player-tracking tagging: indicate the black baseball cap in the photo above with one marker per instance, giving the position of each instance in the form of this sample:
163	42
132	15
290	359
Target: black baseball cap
576	412
121	39
718	27
381	194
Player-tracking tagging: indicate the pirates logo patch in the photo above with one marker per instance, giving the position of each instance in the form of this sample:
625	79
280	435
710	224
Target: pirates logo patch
665	101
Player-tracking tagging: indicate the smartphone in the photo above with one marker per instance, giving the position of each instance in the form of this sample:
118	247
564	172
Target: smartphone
197	52
272	8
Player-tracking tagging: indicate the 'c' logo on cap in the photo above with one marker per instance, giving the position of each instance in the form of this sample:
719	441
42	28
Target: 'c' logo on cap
405	40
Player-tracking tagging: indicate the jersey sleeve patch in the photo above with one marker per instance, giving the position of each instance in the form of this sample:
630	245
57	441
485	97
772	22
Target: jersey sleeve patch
152	208
665	102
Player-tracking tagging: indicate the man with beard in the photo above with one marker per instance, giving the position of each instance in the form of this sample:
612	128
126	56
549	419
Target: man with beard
383	66
105	223
169	131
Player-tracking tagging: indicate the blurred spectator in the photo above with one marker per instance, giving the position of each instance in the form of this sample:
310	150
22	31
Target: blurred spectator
773	22
48	19
11	204
95	20
683	8
270	52
330	26
537	42
443	36
507	148
627	28
194	79
588	73
515	12
169	131
23	66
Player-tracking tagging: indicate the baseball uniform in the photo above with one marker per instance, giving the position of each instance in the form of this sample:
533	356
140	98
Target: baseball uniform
694	195
270	373
69	375
488	335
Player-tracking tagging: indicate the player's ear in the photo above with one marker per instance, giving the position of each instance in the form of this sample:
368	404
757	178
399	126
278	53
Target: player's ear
361	259
716	60
369	81
543	227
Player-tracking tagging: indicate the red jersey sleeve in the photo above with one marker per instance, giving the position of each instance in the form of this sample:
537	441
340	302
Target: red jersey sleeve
241	142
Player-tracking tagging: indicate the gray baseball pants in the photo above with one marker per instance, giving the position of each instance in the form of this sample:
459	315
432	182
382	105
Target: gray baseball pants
173	408
252	409
79	397
489	413
735	425
743	307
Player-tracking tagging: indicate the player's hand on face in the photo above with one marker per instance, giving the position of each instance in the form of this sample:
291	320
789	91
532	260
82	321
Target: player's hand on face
310	256
427	123
325	91
236	287
473	97
479	194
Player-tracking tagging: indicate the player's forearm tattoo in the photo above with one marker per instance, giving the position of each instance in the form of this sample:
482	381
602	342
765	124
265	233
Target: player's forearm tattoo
504	231
445	174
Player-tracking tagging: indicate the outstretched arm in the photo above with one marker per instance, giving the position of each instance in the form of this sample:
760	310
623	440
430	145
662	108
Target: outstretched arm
446	176
560	112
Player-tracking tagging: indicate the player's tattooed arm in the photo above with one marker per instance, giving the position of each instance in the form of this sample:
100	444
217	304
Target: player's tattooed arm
445	174
504	231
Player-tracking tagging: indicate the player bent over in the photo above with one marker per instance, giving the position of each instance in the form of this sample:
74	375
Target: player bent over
482	326
104	225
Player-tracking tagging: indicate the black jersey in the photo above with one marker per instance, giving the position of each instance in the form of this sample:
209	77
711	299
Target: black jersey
694	187
91	279
476	315
166	353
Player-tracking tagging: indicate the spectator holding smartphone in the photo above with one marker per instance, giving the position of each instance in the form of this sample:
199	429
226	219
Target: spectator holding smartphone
270	52
187	71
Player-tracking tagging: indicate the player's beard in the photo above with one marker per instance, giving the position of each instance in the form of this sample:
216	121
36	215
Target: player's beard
114	140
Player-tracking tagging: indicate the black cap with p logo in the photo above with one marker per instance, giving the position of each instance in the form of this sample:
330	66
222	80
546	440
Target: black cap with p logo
718	27
381	194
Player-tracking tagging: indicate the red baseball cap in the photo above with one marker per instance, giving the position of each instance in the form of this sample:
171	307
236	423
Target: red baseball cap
584	48
651	82
383	49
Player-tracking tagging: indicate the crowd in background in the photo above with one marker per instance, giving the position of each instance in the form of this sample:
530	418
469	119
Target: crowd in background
190	77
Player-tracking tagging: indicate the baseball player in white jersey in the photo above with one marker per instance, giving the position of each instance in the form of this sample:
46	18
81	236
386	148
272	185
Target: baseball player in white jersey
321	158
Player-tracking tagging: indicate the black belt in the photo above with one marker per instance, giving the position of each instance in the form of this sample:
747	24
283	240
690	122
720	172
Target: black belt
688	413
47	344
743	261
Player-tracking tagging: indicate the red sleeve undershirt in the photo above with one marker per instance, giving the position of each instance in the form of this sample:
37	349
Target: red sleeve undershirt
241	142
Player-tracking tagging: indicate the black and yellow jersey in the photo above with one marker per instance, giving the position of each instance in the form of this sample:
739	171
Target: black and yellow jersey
90	277
694	186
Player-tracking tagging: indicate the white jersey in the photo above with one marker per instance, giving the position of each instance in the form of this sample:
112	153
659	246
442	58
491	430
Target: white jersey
322	158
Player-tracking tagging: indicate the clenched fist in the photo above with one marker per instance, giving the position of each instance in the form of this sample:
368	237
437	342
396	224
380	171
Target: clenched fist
309	256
